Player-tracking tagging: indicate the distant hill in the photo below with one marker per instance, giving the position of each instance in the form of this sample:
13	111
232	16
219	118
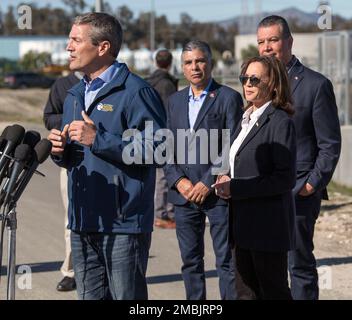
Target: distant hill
247	24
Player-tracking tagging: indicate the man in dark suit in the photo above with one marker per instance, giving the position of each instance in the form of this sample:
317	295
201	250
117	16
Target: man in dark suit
318	148
200	107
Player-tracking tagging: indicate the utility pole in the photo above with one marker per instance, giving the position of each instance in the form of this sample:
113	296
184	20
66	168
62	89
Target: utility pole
152	26
243	29
258	14
99	6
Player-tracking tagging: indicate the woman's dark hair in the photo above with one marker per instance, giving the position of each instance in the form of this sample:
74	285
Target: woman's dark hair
278	87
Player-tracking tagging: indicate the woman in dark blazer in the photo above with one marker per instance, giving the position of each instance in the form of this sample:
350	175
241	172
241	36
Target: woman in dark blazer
262	162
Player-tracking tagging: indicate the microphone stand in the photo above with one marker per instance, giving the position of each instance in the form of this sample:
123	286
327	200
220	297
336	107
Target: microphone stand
10	221
11	250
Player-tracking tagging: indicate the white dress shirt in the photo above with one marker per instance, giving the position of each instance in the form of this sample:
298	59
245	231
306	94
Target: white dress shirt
249	119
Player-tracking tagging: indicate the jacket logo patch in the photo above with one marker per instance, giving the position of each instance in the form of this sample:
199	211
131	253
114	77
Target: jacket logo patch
105	107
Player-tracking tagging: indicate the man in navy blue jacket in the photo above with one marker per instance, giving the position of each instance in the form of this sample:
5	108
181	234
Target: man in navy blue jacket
110	214
318	148
202	110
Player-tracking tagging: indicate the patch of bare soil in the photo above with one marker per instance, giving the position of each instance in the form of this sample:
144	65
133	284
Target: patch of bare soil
334	224
22	104
333	247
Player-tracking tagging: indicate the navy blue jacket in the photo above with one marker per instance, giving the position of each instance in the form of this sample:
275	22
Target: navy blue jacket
106	194
221	109
317	127
262	206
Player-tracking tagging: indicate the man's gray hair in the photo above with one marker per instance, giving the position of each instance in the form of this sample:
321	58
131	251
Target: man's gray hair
104	28
198	45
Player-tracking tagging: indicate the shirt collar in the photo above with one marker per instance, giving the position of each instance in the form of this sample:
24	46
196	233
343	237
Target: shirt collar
251	115
106	76
204	92
291	63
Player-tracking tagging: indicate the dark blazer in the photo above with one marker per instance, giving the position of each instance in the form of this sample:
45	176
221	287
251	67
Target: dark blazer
222	109
54	106
317	127
262	204
164	83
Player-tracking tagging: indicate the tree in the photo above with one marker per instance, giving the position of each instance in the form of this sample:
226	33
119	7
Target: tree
249	52
10	23
163	32
125	16
35	61
1	22
77	6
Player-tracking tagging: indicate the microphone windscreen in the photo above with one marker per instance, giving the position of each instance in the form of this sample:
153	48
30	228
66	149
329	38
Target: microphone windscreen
2	141
22	152
42	150
15	133
31	138
4	132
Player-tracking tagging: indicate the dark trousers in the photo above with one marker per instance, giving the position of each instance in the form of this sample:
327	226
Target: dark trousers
162	208
302	263
190	227
263	273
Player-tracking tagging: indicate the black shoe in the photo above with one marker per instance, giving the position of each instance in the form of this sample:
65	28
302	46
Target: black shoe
66	284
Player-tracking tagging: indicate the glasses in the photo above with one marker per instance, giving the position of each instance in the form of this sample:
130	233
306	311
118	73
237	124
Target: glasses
253	80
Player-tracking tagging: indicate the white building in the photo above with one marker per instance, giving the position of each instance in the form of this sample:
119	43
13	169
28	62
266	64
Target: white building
126	56
56	47
143	59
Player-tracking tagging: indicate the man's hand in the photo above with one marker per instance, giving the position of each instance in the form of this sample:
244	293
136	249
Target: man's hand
199	193
184	186
84	131
307	190
58	139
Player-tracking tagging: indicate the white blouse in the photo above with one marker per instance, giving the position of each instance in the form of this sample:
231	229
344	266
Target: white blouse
249	119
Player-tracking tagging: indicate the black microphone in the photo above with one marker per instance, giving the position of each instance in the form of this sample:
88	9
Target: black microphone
2	143
14	136
41	153
31	138
22	153
2	138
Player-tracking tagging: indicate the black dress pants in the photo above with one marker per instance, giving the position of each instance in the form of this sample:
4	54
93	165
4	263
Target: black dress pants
263	273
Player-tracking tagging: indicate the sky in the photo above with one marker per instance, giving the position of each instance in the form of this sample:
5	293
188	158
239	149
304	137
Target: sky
206	10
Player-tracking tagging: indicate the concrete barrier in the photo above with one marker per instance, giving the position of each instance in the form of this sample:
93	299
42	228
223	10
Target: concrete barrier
343	172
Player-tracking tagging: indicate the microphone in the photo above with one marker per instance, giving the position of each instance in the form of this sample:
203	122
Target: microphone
2	138
31	138
14	136
41	153
22	153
